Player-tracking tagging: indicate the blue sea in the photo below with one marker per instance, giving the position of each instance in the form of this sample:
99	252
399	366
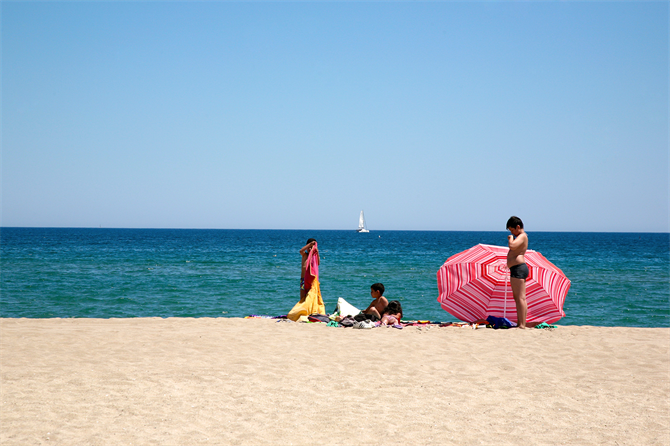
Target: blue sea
618	279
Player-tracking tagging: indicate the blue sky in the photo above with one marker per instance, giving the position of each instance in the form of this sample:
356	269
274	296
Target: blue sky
429	116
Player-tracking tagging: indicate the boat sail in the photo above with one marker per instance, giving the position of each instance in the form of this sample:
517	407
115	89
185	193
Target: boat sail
361	223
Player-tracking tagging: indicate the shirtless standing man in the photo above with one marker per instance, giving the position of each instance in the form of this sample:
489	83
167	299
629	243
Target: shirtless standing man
518	270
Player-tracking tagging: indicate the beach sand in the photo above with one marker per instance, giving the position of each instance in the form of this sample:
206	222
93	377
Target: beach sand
257	381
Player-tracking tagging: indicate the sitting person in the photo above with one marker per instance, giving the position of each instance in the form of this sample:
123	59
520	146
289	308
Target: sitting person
392	314
378	304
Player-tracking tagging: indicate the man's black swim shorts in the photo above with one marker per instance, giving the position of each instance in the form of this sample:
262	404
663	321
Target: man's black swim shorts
519	271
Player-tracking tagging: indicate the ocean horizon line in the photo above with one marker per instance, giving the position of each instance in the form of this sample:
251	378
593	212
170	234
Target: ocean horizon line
333	230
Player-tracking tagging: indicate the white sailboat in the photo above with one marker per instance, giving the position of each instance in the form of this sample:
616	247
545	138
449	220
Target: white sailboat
361	223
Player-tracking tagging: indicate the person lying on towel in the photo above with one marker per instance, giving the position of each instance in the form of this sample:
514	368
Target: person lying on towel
392	313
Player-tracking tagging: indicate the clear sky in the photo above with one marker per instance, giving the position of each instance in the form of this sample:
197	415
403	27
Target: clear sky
429	116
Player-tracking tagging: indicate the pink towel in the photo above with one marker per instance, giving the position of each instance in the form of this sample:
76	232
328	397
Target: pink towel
312	267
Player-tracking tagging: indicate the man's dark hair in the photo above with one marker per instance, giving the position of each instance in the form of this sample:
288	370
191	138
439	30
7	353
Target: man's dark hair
378	287
310	240
513	222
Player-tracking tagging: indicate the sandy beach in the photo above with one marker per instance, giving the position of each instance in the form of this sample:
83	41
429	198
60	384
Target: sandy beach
258	381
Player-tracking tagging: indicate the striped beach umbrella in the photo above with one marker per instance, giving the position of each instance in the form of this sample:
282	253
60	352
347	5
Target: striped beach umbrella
475	284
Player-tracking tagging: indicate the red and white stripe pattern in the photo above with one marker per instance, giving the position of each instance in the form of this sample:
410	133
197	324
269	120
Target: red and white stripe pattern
475	284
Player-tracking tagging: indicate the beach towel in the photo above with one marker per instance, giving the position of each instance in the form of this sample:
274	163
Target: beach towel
313	303
312	268
544	325
319	318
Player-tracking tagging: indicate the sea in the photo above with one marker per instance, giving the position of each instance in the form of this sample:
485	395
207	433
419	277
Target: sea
617	279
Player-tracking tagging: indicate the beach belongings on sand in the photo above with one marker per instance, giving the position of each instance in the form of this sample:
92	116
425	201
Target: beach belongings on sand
544	325
349	321
500	322
313	304
398	326
344	308
475	284
366	317
364	324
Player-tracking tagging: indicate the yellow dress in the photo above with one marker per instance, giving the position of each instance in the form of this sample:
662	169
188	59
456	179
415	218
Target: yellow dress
313	303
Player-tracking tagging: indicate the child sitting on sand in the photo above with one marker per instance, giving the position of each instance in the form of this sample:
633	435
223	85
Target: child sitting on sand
379	302
392	314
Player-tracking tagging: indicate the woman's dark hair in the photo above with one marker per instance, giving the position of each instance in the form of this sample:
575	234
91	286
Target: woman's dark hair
393	307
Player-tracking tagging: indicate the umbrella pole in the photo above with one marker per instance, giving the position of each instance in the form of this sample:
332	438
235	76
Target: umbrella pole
505	303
